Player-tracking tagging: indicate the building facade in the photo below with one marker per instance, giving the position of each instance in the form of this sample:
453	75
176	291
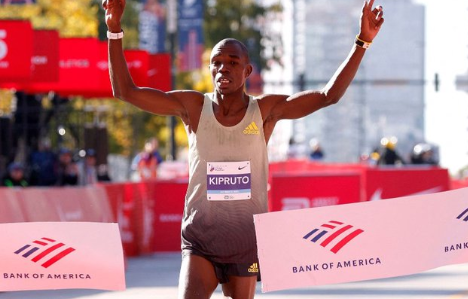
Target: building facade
387	95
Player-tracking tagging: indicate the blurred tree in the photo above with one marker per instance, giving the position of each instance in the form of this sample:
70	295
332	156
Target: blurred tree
128	126
247	21
6	99
75	18
199	79
130	22
85	18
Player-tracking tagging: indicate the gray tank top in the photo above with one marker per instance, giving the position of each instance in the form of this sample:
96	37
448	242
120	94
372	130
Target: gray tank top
223	230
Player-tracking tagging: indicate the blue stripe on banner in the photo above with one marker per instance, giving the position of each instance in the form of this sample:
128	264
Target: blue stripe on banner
30	252
461	215
229	191
317	237
18	2
190	34
152	26
21	249
310	234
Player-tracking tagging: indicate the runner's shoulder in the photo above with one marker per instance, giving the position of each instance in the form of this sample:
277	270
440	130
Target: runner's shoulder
190	97
267	101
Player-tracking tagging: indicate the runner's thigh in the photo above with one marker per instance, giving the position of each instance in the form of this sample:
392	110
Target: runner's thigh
197	278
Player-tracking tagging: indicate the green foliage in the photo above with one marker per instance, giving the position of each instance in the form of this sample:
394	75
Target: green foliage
130	21
244	20
75	18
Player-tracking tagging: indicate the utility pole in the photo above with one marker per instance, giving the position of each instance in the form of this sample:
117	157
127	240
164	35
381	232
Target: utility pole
172	30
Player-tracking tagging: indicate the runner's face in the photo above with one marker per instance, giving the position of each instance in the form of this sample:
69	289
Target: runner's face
229	68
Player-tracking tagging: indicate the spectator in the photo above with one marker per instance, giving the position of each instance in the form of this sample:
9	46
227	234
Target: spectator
43	165
88	169
374	156
148	163
15	176
389	154
316	152
423	153
67	173
103	173
155	149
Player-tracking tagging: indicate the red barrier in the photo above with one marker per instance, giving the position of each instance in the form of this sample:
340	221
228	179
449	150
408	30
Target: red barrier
384	183
314	190
305	166
10	207
62	204
150	213
133	207
123	209
168	212
36	206
457	184
54	204
143	196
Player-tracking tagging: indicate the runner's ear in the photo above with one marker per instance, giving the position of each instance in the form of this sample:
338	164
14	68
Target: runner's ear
248	70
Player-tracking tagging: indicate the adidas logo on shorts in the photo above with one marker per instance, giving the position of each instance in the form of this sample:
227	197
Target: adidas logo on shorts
253	268
251	129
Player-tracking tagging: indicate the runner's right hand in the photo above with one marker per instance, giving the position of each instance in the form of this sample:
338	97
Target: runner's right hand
114	11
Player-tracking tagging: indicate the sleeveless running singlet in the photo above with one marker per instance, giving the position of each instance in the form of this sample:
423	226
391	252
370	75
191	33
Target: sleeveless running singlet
228	168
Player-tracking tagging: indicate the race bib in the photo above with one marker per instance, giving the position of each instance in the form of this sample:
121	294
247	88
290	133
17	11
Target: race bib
228	180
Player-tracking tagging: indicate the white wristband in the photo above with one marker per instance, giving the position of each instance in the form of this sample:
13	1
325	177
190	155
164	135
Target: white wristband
111	35
362	43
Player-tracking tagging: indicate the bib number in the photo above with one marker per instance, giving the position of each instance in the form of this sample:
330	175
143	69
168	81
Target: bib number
228	180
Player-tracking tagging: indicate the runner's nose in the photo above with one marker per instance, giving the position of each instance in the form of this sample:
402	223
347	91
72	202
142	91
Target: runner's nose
223	68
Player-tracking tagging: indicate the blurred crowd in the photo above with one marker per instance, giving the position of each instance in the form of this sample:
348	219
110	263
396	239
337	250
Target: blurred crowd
386	153
46	168
65	167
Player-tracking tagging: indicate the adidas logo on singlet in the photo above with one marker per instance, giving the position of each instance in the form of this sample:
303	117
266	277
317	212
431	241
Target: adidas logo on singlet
253	268
251	129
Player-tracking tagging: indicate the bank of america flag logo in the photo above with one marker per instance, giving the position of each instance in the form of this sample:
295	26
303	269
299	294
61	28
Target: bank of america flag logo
463	215
45	251
333	235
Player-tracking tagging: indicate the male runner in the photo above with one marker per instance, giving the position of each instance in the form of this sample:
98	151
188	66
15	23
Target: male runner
228	131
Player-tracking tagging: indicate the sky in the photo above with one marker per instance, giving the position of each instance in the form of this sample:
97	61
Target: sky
447	55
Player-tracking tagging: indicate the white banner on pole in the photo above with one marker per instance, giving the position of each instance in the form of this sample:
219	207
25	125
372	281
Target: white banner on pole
362	241
61	255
